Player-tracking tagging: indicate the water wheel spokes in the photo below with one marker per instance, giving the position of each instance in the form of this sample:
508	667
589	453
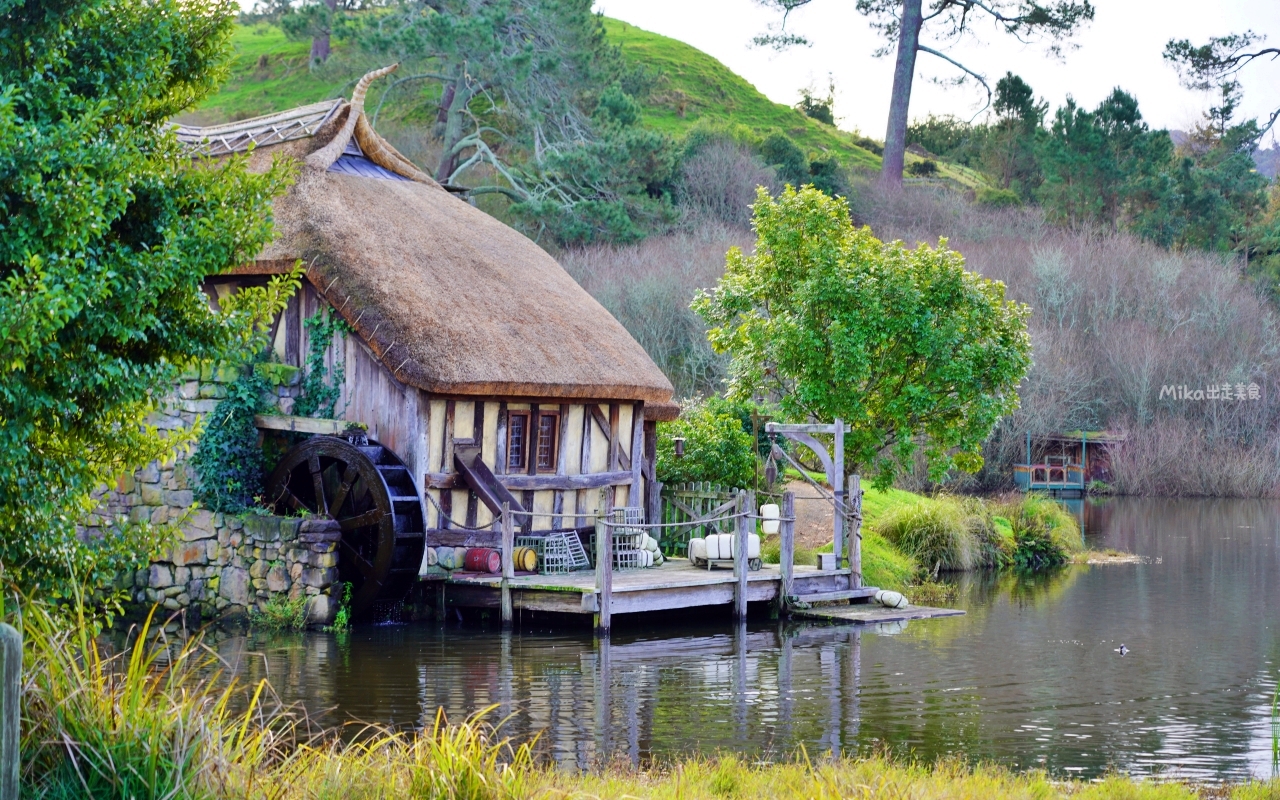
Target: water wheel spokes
370	493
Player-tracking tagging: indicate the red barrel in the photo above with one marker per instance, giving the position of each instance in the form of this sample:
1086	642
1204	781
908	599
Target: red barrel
483	559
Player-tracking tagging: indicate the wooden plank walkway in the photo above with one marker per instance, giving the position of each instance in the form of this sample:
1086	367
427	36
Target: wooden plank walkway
871	613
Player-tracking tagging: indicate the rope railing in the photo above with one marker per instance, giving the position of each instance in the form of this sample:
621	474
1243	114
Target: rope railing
601	517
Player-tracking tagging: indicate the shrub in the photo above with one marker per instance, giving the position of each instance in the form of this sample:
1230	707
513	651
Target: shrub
946	534
228	461
1045	534
923	169
280	613
719	181
997	198
716	448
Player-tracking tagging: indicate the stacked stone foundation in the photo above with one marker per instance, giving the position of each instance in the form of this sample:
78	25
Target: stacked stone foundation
227	565
219	565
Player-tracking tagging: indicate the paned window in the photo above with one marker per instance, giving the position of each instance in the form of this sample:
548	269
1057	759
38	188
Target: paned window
517	441
536	442
548	428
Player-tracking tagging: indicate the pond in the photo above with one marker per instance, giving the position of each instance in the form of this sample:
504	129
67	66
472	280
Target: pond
1030	677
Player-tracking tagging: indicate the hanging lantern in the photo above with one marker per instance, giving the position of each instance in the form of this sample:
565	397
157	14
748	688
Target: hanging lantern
770	471
679	443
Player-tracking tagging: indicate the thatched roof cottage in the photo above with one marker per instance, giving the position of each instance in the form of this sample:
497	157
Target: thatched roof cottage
483	372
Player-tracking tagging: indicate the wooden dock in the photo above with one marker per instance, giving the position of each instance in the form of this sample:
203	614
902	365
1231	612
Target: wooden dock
674	585
872	613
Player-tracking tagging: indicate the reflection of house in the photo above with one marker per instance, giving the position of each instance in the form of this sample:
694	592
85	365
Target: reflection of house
1065	463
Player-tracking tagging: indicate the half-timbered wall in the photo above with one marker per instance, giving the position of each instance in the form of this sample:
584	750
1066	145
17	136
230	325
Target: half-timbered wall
595	441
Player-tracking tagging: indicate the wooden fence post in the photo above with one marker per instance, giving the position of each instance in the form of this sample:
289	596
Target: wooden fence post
855	532
508	563
837	488
746	507
604	576
787	550
10	710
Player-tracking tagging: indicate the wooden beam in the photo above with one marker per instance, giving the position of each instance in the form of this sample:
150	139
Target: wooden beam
787	549
450	537
596	414
637	456
778	427
746	505
604	578
280	422
534	483
484	484
508	564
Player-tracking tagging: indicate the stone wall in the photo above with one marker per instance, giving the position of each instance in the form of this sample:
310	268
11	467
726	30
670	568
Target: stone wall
218	564
226	565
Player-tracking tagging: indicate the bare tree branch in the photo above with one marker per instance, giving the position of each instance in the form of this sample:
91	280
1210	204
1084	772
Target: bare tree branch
958	65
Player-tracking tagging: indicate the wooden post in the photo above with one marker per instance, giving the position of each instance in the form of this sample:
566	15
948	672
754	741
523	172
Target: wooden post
604	576
508	563
837	486
787	550
10	709
746	506
855	534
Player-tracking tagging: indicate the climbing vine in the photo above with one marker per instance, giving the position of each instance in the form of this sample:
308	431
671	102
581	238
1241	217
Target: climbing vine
320	396
228	461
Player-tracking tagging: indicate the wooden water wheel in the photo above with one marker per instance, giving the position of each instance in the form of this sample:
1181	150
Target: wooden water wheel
371	494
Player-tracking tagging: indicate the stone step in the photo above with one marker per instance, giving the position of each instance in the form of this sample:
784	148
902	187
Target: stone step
832	597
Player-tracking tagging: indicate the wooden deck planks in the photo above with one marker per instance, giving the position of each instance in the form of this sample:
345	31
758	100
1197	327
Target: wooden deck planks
871	613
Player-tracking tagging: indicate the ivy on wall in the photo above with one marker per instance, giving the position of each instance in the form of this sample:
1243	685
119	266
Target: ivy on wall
320	395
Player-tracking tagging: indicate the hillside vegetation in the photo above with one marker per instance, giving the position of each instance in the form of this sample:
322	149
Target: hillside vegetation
270	72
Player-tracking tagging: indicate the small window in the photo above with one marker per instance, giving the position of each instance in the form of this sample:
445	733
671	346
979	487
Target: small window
548	431
517	439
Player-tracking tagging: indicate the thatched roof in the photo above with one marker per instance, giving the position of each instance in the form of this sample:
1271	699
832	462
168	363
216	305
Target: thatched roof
449	299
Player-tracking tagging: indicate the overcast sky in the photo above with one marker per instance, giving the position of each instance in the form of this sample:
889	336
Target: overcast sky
1121	47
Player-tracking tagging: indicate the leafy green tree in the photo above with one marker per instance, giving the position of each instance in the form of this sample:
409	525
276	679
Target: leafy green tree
106	233
1009	149
912	351
1102	166
717	448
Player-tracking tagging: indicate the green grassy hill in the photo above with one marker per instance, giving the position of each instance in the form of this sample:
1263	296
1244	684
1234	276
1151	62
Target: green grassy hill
270	73
695	85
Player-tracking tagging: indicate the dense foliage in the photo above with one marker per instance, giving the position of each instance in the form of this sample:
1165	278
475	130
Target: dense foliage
717	448
912	351
105	235
1105	167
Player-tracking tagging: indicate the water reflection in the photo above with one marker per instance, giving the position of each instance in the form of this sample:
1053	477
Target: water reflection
1029	677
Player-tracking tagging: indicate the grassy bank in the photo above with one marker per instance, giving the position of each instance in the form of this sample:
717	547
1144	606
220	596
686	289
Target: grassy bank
155	725
909	539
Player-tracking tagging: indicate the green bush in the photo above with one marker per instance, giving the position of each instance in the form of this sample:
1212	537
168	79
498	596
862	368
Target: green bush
997	198
923	169
945	534
1045	533
716	448
280	613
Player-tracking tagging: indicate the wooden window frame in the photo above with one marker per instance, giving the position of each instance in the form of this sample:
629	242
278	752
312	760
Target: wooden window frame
523	451
528	449
553	457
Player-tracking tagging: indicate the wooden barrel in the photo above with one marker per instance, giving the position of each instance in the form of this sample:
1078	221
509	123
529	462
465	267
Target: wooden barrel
483	559
525	559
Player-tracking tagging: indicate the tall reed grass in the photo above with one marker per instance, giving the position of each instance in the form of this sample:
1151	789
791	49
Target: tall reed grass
958	534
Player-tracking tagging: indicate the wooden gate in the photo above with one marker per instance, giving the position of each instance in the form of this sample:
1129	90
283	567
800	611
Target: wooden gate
688	504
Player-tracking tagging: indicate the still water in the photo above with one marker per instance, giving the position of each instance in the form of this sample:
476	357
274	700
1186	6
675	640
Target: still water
1028	678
